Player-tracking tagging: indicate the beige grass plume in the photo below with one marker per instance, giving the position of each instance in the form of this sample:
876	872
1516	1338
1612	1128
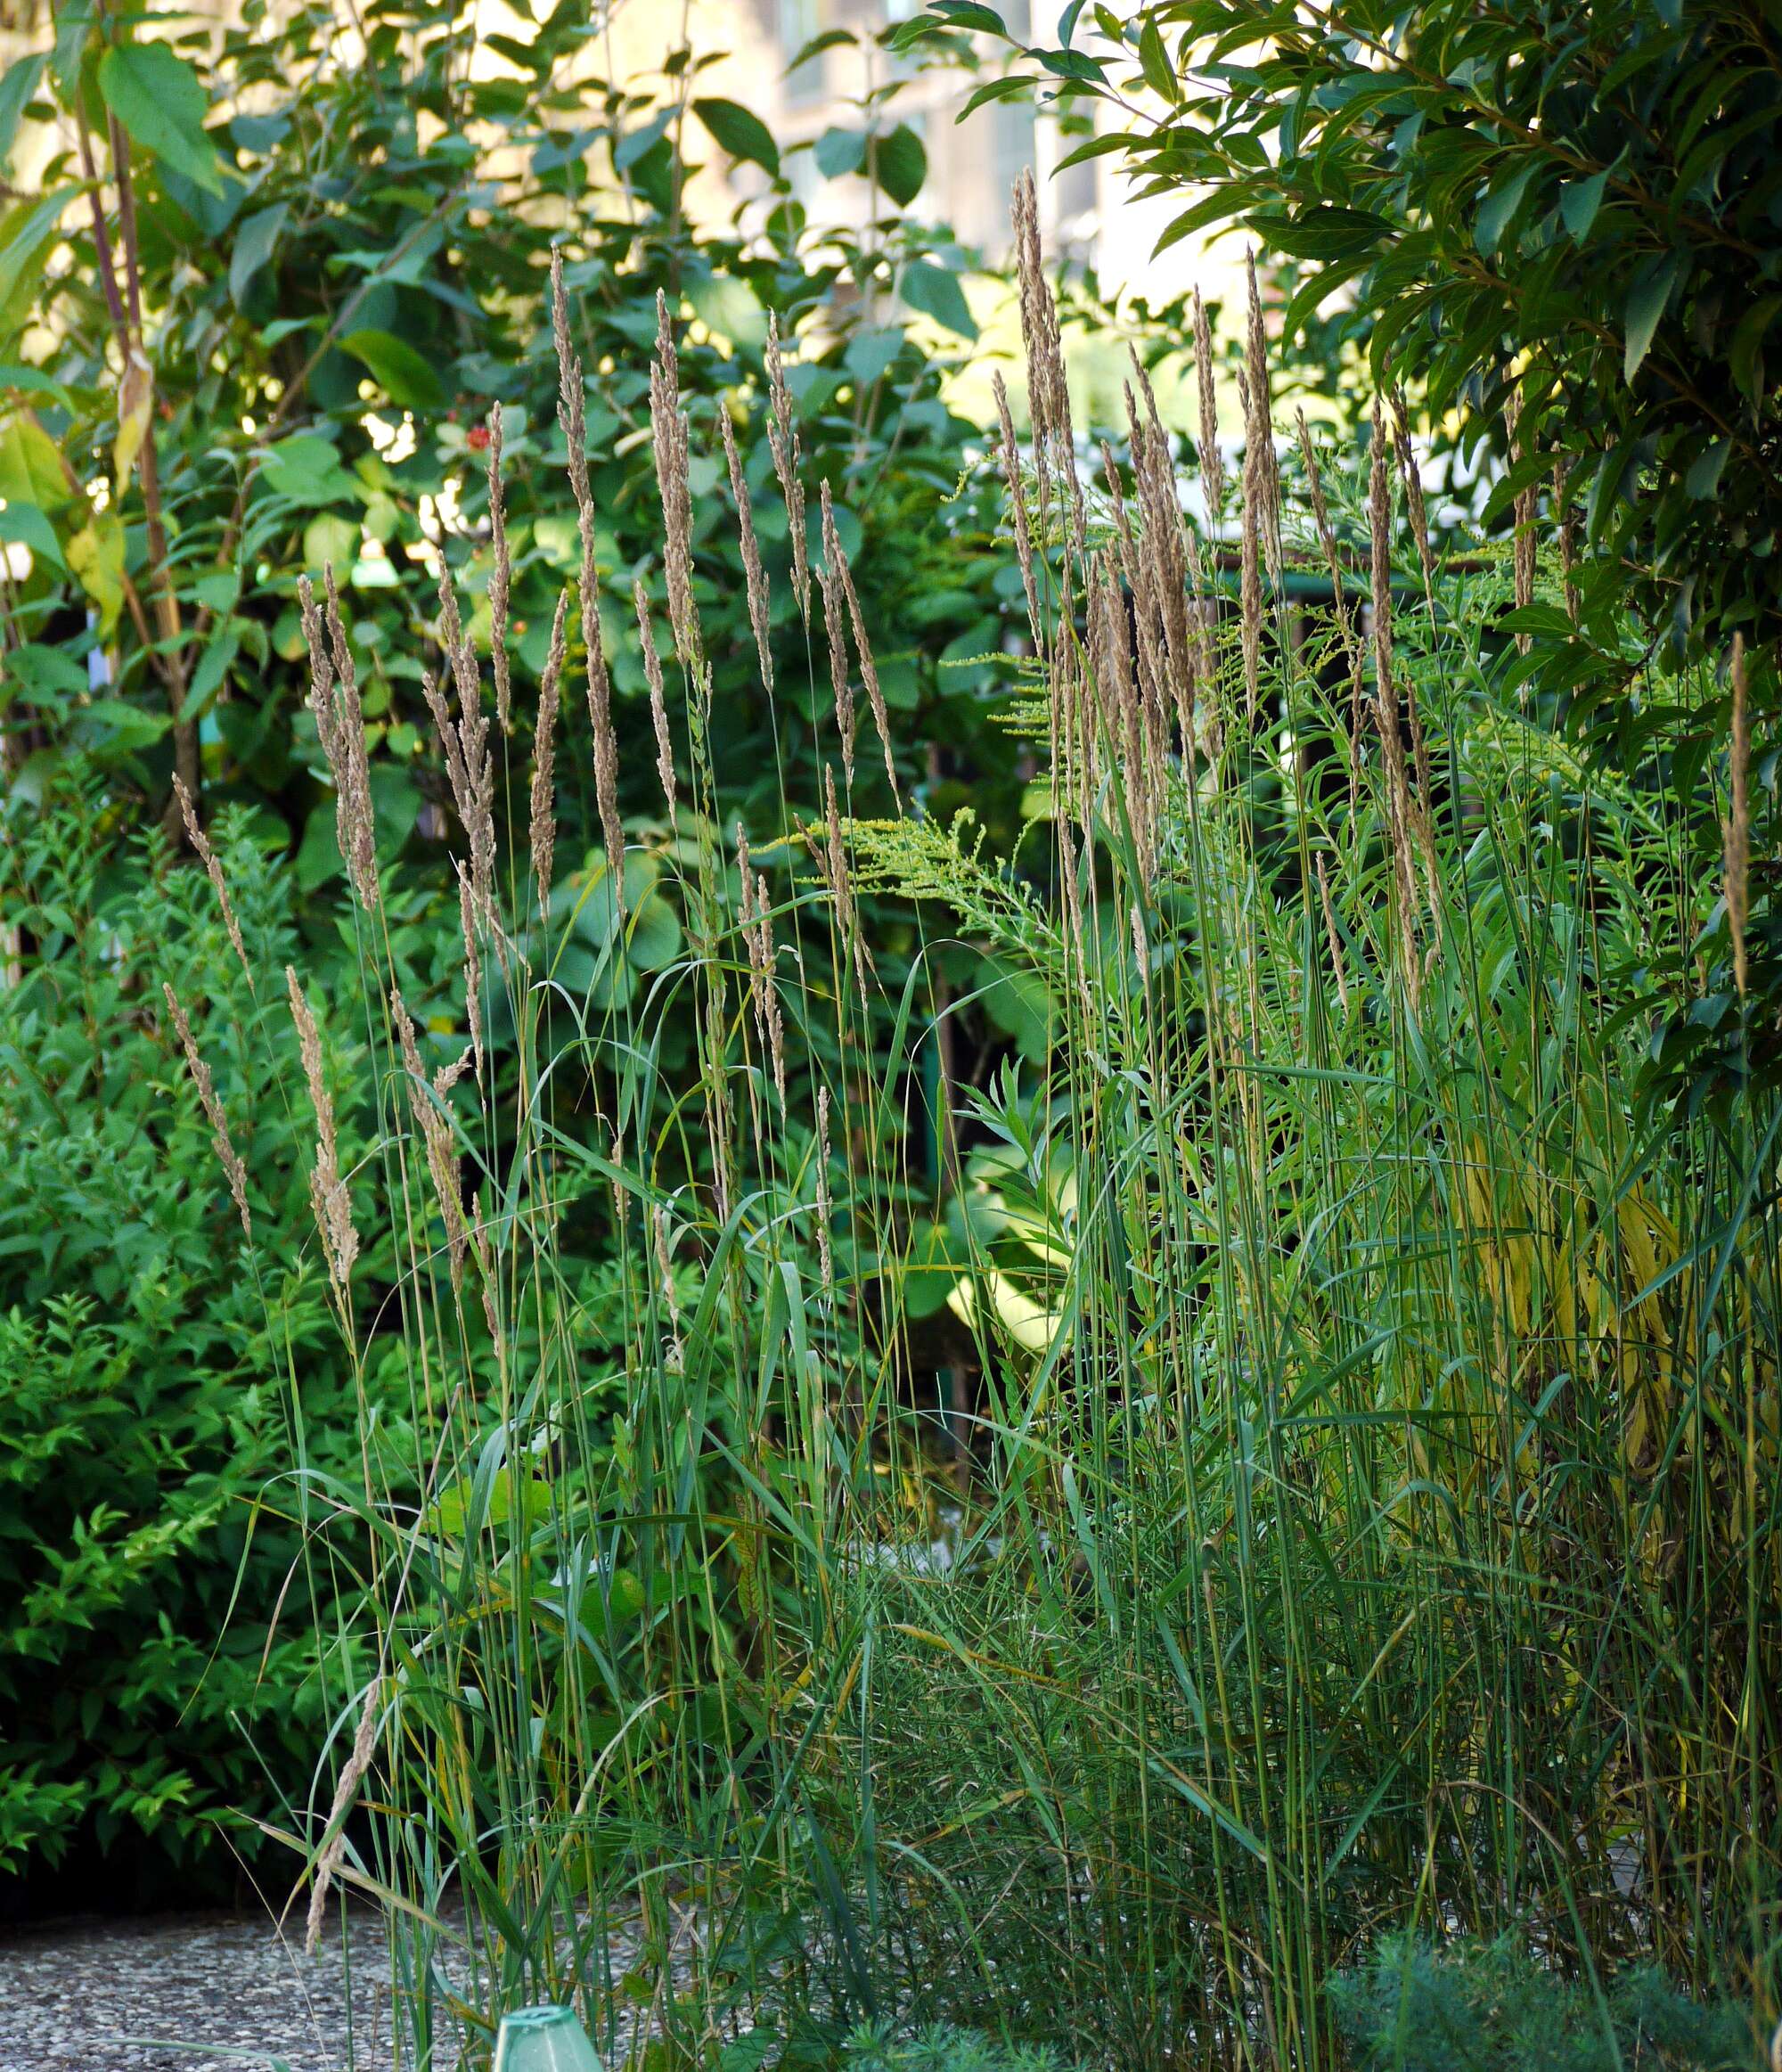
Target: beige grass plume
346	1791
201	842
1345	625
835	555
465	742
543	824
436	1137
340	726
668	439
328	1195
754	573
1212	461
659	703
1047	386
783	444
233	1171
500	576
1017	507
572	415
834	626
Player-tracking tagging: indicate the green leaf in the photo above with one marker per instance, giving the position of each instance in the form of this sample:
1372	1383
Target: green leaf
937	292
742	134
407	378
1154	63
27	525
95	556
1744	356
17	87
206	678
1498	206
254	244
969	14
1322	234
31	467
636	144
1646	304
1704	471
900	164
27	232
305	469
838	151
157	98
73	20
50	677
1579	201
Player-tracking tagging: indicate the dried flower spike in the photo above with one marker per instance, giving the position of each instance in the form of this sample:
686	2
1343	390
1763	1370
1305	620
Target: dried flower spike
1737	833
544	808
201	842
233	1171
328	1195
352	1774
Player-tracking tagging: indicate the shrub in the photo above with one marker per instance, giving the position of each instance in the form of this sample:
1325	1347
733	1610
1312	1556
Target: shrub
336	287
155	1374
944	2049
1491	2008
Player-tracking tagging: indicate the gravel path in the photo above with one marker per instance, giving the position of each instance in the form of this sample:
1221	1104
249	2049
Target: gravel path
71	1992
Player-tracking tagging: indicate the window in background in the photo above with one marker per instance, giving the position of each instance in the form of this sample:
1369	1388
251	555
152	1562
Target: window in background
1011	142
799	21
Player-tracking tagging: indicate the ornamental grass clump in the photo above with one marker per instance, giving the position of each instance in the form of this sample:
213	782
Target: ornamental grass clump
1355	1503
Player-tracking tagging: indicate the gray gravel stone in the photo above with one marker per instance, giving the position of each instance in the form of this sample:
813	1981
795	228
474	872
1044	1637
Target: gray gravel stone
71	1993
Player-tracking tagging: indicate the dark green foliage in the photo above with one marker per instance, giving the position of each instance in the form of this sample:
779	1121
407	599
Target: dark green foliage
1578	203
323	259
355	272
942	2048
146	1363
1490	2007
1573	213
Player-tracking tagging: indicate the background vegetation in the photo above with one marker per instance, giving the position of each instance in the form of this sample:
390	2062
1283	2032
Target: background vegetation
1024	1276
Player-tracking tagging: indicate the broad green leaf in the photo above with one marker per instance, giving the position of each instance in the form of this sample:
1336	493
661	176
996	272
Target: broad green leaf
635	142
1744	356
255	240
838	151
397	368
18	87
900	164
158	99
1498	206
96	555
331	541
871	353
937	292
742	134
31	467
306	469
50	675
73	20
1646	304
122	728
27	234
970	15
828	39
1705	472
206	678
25	525
1579	201
1154	63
